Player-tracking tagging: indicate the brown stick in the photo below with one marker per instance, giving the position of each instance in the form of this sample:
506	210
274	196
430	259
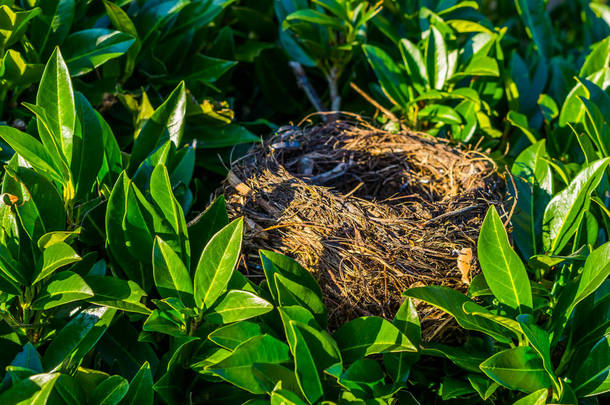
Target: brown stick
370	99
304	83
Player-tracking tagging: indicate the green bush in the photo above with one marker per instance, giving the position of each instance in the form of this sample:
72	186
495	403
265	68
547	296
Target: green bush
119	286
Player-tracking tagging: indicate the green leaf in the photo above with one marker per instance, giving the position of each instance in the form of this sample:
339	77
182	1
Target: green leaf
140	390
53	25
163	196
30	149
537	25
237	368
389	75
223	136
88	49
88	142
172	279
54	257
406	320
452	302
564	213
166	123
534	180
463	357
291	284
414	63
535	398
231	336
41	208
237	306
34	390
204	226
599	57
217	263
17	71
78	337
313	353
115	234
540	340
520	121
368	335
504	271
117	293
121	21
437	64
313	17
593	375
110	391
56	97
62	288
595	271
517	369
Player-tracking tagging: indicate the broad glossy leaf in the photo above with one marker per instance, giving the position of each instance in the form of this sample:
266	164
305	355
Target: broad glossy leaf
34	390
538	25
389	75
291	284
364	378
87	143
534	181
17	71
172	279
30	149
140	390
163	197
518	369
237	306
535	398
593	375
573	110
41	207
115	235
117	293
88	49
595	271
110	391
231	336
217	263
121	21
599	57
222	136
313	353
313	17
237	368
53	25
414	63
166	123
406	320
452	302
461	356
62	288
540	340
504	271
53	257
78	337
204	226
368	335
437	64
56	96
28	358
564	213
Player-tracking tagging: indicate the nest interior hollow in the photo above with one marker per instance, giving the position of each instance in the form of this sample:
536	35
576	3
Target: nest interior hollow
370	213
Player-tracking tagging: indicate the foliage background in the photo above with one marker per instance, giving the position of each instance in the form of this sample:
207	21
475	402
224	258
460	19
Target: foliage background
117	285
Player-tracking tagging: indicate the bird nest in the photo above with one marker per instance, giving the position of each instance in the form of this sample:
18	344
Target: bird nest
368	212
